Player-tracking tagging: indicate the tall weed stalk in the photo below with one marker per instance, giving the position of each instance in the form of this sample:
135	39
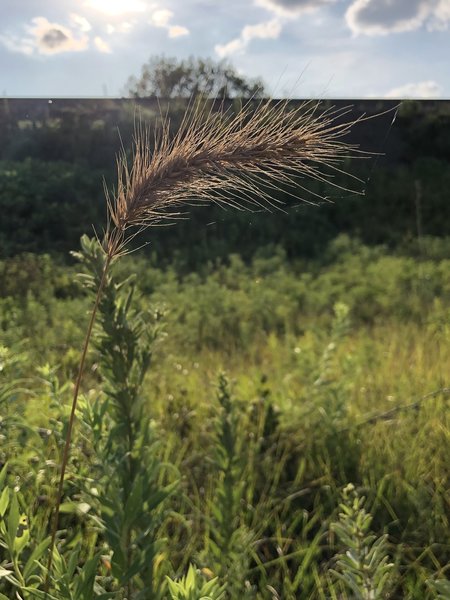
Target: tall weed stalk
230	540
363	565
129	473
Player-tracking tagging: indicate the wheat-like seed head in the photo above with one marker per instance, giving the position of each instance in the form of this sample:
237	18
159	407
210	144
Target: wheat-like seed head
237	161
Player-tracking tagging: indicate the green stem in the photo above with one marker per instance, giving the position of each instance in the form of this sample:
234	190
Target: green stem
72	420
18	572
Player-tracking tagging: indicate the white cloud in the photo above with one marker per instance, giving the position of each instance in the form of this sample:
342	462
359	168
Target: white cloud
292	8
45	37
178	31
422	89
122	27
102	46
16	44
53	38
441	17
230	48
162	17
381	17
81	22
269	30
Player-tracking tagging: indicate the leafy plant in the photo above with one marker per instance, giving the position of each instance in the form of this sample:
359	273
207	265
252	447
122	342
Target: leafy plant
128	485
230	540
364	565
194	587
440	587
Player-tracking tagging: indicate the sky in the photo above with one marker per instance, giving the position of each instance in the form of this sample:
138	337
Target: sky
300	48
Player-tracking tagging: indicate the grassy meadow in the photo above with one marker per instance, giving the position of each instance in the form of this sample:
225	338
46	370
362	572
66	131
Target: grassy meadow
268	424
320	362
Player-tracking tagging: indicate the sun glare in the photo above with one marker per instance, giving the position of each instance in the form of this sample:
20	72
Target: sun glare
117	7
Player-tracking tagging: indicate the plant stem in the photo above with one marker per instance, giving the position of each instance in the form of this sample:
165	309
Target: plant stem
72	419
17	571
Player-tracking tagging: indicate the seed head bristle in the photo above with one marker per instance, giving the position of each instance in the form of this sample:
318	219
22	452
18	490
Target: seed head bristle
236	161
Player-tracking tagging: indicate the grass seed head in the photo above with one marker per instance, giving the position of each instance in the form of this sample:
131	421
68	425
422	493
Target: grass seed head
237	161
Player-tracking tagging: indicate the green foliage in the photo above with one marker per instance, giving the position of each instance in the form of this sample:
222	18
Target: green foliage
42	203
53	157
131	493
163	474
73	582
440	587
364	565
229	546
333	346
194	587
23	570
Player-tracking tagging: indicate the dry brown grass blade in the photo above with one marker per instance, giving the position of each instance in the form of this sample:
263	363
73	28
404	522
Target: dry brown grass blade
237	161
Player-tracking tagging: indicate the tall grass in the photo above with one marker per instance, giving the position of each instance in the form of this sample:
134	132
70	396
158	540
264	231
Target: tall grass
234	161
242	481
272	446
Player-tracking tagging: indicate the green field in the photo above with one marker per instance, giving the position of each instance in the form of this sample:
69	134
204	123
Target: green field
313	356
264	411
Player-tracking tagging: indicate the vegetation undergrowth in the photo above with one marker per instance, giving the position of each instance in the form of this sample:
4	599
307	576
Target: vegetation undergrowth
241	481
212	462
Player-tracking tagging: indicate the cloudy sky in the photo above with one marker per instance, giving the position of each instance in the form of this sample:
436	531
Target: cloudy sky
301	48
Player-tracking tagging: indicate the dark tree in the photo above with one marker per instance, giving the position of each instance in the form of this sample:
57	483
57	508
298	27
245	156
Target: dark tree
169	77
